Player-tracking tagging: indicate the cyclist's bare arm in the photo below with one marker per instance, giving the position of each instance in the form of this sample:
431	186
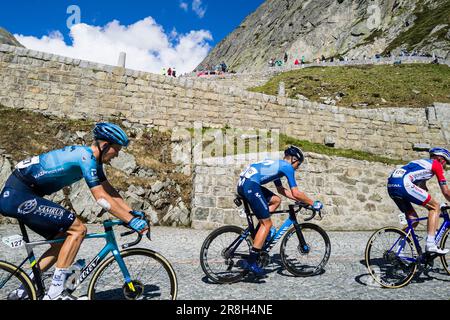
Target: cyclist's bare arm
107	202
116	196
301	196
445	191
285	192
295	194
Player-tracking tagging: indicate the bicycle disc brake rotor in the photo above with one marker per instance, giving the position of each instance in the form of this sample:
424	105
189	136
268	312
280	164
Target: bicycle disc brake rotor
136	294
304	250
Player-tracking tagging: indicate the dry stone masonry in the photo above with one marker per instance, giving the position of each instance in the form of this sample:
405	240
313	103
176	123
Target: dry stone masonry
354	192
80	89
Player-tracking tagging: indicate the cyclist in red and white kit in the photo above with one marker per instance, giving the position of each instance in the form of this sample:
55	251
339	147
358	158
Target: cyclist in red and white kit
408	185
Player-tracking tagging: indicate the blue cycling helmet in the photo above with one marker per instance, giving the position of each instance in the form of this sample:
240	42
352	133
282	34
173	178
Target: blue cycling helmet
444	153
295	152
111	133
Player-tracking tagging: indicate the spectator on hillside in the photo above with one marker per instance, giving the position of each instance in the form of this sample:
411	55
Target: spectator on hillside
303	60
323	58
174	73
163	71
296	62
224	67
285	57
169	72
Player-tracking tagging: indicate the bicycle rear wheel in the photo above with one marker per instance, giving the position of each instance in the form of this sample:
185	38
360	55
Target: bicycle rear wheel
391	257
305	262
445	244
12	278
152	276
218	263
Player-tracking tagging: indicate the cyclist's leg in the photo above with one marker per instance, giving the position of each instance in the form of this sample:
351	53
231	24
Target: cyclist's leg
254	194
398	194
433	218
421	197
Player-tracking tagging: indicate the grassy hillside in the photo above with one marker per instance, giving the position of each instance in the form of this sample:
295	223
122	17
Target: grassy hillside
412	85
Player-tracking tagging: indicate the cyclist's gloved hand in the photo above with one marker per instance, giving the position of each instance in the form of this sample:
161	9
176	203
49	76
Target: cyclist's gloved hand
138	214
138	225
317	205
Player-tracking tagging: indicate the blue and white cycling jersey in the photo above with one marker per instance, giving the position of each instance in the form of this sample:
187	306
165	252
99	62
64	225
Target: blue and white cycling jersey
268	171
51	172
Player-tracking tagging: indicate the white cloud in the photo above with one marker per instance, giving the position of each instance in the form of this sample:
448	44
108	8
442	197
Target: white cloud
147	45
198	9
184	5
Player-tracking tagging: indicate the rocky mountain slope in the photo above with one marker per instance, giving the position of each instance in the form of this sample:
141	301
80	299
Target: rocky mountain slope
352	28
8	38
143	173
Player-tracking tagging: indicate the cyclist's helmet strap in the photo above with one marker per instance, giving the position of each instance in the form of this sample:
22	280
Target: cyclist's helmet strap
444	153
102	151
111	133
296	153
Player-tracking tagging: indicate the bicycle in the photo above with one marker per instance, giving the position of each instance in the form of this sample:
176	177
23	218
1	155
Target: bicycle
130	274
305	249
393	256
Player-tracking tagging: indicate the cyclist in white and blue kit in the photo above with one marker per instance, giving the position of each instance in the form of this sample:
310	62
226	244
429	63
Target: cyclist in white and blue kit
263	201
23	198
407	185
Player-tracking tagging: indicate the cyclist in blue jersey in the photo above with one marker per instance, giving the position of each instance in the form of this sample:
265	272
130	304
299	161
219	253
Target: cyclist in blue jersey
407	185
23	198
263	201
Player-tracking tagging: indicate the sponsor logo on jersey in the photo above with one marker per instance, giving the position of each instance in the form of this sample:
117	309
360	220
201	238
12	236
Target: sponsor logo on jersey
27	207
94	172
6	194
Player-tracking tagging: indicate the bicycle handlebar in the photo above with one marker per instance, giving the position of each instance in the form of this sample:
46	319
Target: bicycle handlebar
139	238
308	207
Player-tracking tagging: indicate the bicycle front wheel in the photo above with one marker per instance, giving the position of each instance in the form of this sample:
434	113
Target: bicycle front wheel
309	260
152	277
13	278
391	257
445	244
223	255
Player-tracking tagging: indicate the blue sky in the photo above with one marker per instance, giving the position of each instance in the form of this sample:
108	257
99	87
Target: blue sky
198	24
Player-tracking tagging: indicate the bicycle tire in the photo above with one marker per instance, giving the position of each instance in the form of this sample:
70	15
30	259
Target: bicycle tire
207	259
445	260
19	275
143	291
290	261
372	263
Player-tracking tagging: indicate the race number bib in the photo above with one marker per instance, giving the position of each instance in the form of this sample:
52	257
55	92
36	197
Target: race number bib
398	173
28	162
249	172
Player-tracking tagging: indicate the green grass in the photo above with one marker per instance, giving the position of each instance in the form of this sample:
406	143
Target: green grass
375	86
427	20
286	141
307	146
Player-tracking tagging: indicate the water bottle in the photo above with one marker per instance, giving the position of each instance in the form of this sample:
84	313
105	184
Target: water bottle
271	234
73	280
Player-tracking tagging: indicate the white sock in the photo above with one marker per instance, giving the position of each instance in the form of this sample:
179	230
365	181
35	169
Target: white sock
430	240
57	286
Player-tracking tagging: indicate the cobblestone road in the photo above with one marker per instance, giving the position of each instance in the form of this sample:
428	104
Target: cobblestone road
345	278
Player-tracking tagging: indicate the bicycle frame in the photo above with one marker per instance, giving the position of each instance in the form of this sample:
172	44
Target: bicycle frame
110	247
410	231
251	230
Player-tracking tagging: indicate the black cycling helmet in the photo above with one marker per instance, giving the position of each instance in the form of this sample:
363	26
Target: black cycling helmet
111	133
296	153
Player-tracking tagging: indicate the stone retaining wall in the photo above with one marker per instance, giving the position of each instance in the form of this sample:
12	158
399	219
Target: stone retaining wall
76	89
353	192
